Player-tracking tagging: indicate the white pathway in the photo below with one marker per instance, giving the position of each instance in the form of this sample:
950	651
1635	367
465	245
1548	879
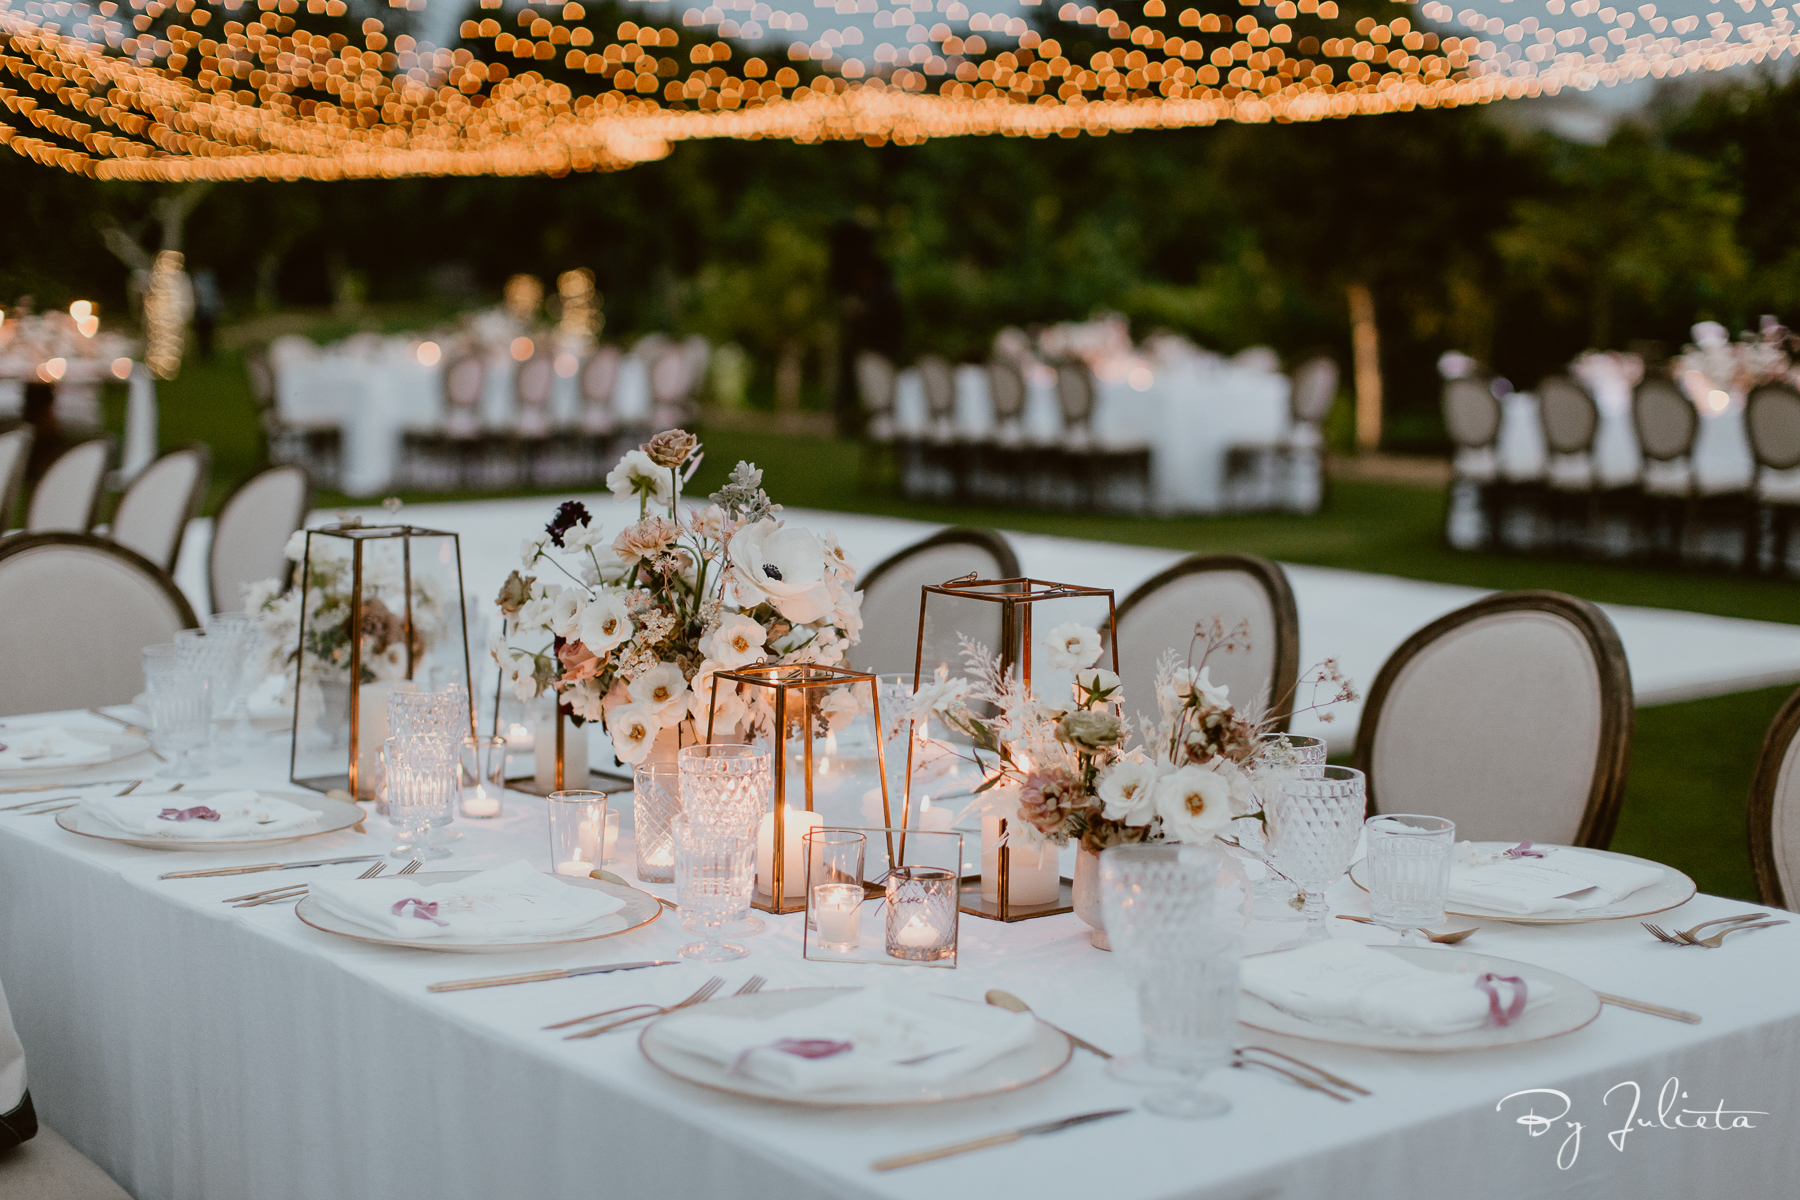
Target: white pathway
1355	617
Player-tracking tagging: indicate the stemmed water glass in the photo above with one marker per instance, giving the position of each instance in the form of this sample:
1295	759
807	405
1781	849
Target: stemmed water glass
728	787
242	632
216	658
1409	872
180	701
715	872
1278	755
1156	902
421	777
1313	823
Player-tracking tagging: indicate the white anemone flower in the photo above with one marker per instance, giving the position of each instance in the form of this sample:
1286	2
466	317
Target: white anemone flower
634	728
1194	804
784	565
663	690
738	640
605	623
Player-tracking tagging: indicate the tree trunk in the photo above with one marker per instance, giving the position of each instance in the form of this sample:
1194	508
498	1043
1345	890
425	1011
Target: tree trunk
1365	344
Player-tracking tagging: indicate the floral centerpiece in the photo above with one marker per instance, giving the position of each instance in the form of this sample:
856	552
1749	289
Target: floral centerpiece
628	628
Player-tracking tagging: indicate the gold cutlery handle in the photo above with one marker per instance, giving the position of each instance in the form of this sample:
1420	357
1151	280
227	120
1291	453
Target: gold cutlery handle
955	1148
463	985
1655	1010
210	871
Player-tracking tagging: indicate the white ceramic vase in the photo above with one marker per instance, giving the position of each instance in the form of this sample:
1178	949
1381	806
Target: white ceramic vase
1087	895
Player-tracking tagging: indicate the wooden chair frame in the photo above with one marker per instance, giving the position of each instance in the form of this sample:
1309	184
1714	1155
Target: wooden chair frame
1761	817
990	540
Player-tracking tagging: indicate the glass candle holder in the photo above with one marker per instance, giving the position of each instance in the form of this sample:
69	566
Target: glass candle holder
655	803
833	856
836	912
713	880
481	776
921	913
577	831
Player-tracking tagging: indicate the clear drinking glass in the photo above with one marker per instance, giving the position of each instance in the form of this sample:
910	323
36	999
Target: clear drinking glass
1313	825
1409	871
715	871
1156	904
655	803
217	659
440	714
577	831
180	711
481	777
833	856
421	787
725	785
1280	754
244	632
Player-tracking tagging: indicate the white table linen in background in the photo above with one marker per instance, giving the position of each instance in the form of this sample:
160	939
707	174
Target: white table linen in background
1722	460
200	1052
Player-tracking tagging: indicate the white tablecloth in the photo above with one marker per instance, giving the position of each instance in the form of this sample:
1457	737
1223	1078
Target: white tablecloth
197	1051
1722	461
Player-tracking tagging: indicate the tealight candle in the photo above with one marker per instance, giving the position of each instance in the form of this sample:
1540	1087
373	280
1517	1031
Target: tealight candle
481	773
921	913
480	805
916	934
935	819
576	821
836	909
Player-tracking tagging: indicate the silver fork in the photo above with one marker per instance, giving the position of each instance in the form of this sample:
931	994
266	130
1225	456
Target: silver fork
751	986
371	873
295	891
701	994
1685	937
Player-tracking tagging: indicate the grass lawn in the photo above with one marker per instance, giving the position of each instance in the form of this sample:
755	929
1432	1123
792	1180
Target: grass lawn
1691	762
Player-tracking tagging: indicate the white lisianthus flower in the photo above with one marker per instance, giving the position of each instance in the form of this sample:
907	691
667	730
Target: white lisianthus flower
605	623
731	708
584	699
633	728
638	475
566	608
1128	790
662	690
1186	682
784	565
943	694
839	708
1194	804
534	614
530	550
1072	646
519	669
1095	686
584	537
738	640
846	613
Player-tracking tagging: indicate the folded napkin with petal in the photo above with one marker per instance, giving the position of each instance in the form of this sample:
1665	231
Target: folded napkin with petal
493	906
870	1037
1562	880
48	746
1350	982
243	815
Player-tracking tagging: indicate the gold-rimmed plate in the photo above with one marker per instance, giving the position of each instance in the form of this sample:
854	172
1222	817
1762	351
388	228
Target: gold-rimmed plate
1672	891
640	909
1046	1054
119	744
1572	1006
334	815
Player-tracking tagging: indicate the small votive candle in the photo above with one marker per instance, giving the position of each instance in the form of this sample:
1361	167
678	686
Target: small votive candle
577	821
921	913
837	909
482	777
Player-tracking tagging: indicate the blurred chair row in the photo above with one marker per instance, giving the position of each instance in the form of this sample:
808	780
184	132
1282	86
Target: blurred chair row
1669	513
151	516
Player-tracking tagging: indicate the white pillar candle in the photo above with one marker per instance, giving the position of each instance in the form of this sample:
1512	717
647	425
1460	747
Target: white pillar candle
933	819
795	823
575	867
1031	869
575	755
836	910
372	729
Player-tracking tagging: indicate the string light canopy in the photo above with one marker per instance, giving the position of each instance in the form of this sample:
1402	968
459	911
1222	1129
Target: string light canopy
259	89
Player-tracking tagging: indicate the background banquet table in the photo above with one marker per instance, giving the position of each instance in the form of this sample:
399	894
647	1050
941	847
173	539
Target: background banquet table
199	1051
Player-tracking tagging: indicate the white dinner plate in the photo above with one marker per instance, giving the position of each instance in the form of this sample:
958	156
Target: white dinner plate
1573	1006
119	743
1046	1054
336	815
1675	890
640	909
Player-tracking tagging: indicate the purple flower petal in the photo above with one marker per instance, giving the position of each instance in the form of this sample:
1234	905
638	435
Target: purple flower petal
1524	850
798	1047
197	813
1497	1015
422	909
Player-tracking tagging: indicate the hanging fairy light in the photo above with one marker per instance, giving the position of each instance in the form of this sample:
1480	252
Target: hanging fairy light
168	303
256	89
580	317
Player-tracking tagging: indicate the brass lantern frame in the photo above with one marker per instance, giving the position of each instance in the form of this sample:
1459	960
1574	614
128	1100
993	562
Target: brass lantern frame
359	535
1016	596
806	679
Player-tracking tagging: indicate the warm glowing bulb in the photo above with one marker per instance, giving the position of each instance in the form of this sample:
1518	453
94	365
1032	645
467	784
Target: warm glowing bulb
53	370
521	349
88	326
121	368
429	353
566	364
1718	401
81	310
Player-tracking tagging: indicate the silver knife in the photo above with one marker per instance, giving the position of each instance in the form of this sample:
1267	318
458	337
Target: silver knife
463	985
317	862
46	787
997	1139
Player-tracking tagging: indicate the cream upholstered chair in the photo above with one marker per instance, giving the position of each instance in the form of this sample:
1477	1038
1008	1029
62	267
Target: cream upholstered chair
64	498
79	608
1511	717
251	532
15	452
155	510
1774	815
1772	419
1163	611
1666	423
890	604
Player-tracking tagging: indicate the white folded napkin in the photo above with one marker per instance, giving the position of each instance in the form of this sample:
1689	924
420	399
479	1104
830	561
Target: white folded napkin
48	746
1350	982
243	815
491	907
1562	881
870	1037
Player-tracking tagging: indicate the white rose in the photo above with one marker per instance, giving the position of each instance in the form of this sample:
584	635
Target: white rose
638	475
1072	646
1194	804
738	640
1128	789
633	728
565	612
605	623
784	565
662	690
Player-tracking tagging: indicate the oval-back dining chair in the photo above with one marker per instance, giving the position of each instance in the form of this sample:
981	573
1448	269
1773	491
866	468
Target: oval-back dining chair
1511	716
890	604
598	375
875	386
15	452
1774	815
77	610
250	533
1161	614
154	512
63	500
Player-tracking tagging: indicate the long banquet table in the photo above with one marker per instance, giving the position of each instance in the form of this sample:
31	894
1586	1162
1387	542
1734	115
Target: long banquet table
198	1051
